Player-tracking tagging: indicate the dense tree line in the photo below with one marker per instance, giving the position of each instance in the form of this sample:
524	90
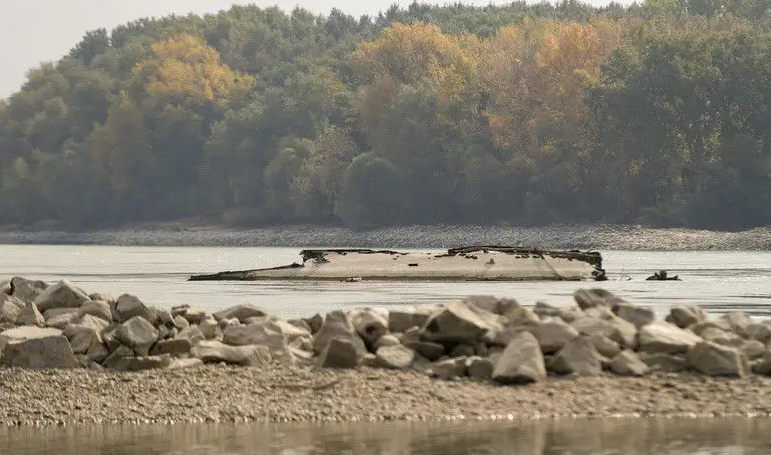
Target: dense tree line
657	113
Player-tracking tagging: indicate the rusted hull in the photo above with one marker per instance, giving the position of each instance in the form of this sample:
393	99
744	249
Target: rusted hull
483	263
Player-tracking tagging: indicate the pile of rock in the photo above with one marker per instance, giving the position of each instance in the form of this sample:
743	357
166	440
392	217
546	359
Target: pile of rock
60	326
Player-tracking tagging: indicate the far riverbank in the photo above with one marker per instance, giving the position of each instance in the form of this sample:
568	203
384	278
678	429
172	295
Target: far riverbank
597	236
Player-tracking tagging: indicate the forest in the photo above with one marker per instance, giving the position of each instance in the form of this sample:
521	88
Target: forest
657	113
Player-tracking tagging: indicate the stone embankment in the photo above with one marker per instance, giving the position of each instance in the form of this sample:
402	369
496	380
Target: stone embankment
480	342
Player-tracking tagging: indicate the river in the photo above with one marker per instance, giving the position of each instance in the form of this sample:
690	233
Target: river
719	281
567	437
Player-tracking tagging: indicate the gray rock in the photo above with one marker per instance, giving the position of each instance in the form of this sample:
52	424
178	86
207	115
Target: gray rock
194	315
163	316
456	323
240	312
27	290
38	350
337	326
726	338
189	362
98	308
86	323
180	323
386	340
592	298
760	331
636	315
138	334
97	352
613	327
81	342
369	323
26	333
340	353
739	322
401	319
101	297
10	308
579	357
5	286
60	317
128	306
428	349
462	350
154	362
63	294
175	347
715	360
545	310
666	363
369	360
396	357
192	333
479	368
508	308
210	329
686	315
551	335
410	336
753	349
521	361
450	368
605	346
666	338
315	322
627	363
216	351
116	355
700	327
762	365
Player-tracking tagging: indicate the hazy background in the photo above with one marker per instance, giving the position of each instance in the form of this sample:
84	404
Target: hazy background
32	31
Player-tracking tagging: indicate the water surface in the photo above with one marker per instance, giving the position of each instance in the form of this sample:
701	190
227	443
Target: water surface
562	437
720	281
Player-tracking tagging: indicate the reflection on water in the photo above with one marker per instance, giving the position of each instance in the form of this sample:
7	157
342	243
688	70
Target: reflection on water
564	437
719	281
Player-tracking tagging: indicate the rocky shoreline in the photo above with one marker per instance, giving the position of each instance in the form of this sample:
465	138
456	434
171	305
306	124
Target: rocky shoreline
70	357
593	236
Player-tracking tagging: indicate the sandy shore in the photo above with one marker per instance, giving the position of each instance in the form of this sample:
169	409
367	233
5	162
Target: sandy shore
303	394
618	237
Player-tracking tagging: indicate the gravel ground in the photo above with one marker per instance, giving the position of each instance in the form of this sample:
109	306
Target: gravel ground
562	237
215	393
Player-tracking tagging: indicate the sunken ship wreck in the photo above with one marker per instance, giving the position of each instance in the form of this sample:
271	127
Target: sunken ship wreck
472	263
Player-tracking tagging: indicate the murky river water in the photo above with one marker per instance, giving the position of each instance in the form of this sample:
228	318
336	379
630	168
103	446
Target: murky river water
570	437
716	280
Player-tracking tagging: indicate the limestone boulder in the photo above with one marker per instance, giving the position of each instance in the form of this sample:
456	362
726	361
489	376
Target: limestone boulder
210	329
665	363
60	317
336	325
592	298
30	315
521	362
552	335
98	308
369	323
716	360
700	327
723	337
315	322
605	346
609	325
138	334
685	316
63	294
36	348
395	357
216	351
762	365
508	308
116	355
27	290
240	312
5	286
194	315
665	338
739	322
175	347
180	323
192	333
545	310
386	340
401	319
456	323
266	334
128	306
428	349
578	356
628	363
153	362
753	349
449	368
10	308
479	367
340	353
760	331
638	316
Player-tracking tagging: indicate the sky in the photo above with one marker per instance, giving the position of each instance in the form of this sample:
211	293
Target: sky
34	31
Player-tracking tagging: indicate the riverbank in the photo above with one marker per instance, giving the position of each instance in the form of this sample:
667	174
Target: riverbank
67	356
598	236
216	393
